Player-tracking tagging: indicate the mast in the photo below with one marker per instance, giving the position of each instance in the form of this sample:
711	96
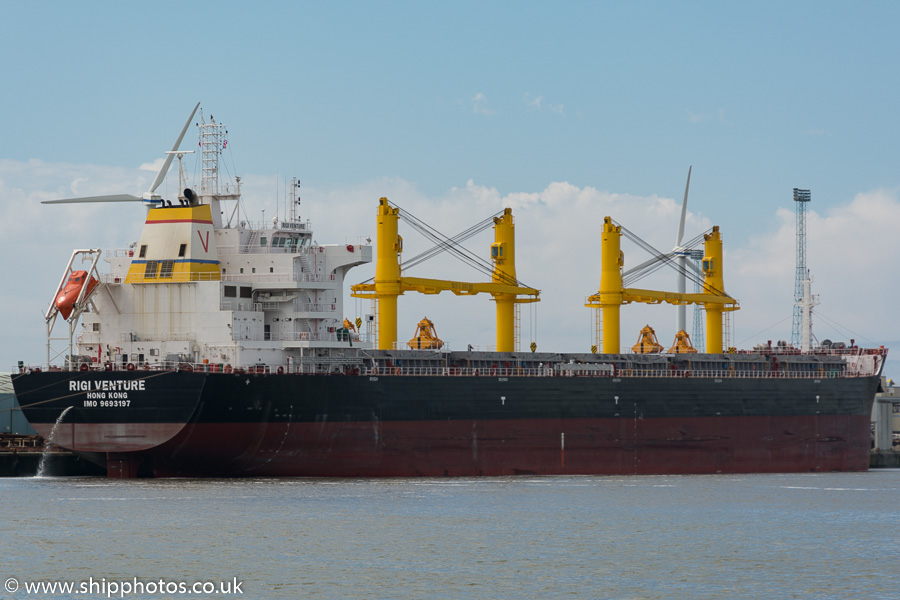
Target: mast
213	141
806	309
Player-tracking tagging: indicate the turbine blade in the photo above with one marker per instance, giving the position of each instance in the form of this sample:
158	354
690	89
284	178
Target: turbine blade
693	266
683	209
165	168
647	263
112	198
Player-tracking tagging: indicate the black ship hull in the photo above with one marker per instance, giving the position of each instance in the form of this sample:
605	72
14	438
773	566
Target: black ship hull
173	423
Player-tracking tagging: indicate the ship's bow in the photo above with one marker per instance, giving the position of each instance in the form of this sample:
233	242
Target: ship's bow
111	417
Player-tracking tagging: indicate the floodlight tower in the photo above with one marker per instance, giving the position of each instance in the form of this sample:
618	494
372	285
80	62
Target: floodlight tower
801	200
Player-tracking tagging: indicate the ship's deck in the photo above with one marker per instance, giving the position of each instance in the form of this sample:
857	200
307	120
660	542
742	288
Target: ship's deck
848	362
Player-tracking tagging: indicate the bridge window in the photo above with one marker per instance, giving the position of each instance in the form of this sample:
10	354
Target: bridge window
151	269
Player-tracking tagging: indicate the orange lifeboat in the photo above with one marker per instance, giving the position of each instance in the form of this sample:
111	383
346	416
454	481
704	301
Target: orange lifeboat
69	294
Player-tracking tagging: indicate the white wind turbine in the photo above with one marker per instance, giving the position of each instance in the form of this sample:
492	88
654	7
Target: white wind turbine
150	197
680	255
683	255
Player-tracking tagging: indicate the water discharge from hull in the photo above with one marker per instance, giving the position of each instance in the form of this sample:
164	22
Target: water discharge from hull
43	464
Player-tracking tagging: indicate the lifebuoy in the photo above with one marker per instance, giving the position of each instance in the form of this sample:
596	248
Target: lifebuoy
130	366
397	371
228	368
280	370
83	367
188	368
349	247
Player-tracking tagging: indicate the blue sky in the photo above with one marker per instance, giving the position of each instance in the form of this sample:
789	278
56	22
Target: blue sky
565	111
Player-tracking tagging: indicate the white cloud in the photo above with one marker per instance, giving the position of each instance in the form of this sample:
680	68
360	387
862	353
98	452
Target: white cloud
154	166
533	102
536	103
695	117
852	253
479	105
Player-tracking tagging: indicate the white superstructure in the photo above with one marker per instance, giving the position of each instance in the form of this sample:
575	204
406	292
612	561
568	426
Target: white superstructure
204	287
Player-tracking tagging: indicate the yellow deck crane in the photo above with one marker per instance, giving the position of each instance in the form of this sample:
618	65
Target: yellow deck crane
389	283
613	294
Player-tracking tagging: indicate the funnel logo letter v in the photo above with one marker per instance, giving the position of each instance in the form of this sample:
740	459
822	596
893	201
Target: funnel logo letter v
204	242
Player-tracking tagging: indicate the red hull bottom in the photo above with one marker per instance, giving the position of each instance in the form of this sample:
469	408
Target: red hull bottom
506	447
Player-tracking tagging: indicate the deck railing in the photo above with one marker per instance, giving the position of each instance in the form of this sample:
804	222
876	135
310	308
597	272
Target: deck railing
310	366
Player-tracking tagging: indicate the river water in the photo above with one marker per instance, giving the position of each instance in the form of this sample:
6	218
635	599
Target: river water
799	536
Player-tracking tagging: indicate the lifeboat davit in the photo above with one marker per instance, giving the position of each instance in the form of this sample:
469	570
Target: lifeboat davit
69	294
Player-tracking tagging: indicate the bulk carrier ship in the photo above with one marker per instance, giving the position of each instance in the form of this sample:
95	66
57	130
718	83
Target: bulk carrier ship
217	347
